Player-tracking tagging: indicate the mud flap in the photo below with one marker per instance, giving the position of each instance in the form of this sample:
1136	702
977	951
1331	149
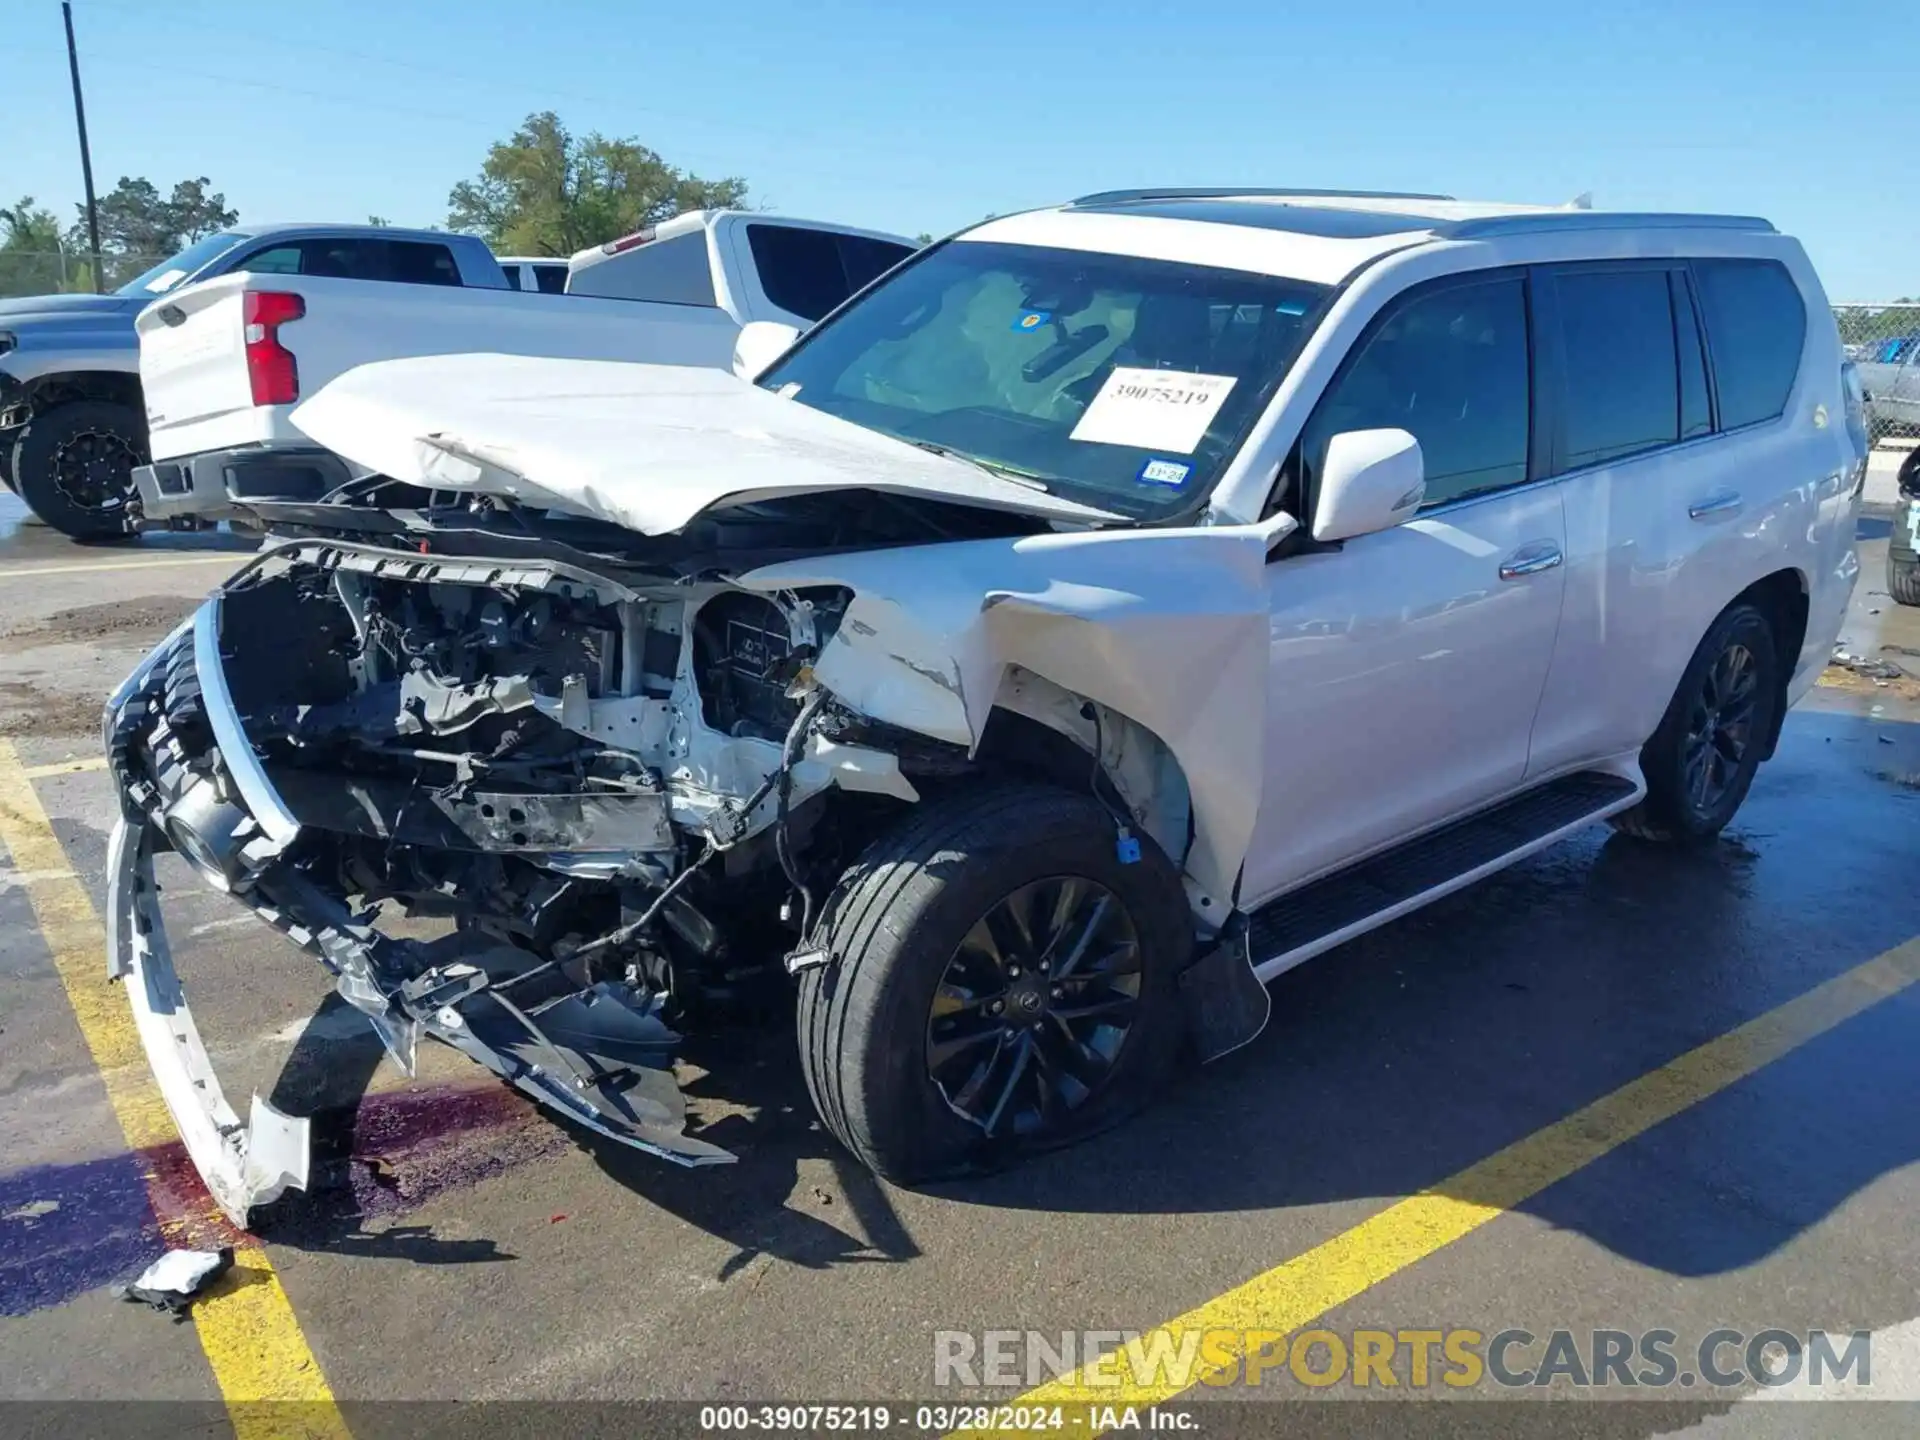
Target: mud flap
1225	1003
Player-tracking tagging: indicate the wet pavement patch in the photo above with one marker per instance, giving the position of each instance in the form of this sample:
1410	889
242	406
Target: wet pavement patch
140	618
27	710
67	1229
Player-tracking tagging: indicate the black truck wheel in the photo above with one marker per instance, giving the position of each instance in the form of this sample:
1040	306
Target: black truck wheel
1000	981
73	465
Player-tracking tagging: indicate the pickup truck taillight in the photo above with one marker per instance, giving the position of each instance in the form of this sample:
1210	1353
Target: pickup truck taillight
270	365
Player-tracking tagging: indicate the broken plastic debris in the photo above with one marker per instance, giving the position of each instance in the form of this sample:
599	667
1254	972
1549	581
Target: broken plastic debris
171	1282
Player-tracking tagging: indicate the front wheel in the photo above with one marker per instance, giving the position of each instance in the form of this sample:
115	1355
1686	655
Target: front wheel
74	464
1701	761
999	981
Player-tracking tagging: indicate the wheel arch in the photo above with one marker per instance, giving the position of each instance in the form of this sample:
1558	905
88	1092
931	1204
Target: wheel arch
1784	598
1040	730
113	387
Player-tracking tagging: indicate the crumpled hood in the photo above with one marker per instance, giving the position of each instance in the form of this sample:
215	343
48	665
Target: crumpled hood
647	447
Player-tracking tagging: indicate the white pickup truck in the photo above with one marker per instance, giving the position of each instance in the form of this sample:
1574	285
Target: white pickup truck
222	364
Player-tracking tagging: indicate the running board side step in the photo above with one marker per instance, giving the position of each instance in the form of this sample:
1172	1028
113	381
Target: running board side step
1330	911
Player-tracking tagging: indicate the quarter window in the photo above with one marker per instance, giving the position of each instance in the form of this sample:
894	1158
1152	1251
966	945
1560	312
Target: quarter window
1622	387
1450	367
1756	326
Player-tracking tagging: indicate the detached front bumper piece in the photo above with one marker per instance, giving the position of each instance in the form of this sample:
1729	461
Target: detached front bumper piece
190	781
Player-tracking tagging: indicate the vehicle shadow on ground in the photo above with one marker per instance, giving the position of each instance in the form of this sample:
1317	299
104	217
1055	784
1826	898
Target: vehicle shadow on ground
1402	1058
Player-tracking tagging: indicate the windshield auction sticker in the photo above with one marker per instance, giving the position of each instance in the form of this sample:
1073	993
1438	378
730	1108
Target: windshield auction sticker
1154	409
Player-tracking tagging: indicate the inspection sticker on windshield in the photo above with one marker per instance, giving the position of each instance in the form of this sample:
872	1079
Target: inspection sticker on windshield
1154	409
1164	472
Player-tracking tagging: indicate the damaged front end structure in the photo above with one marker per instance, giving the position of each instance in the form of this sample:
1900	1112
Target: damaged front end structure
522	753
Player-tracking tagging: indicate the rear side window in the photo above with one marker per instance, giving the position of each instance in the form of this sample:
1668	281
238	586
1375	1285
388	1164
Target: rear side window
808	272
865	259
407	262
1622	385
800	270
1451	367
1756	326
552	279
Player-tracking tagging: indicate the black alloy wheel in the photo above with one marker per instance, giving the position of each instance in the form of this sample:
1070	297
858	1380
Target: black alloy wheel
1720	726
1039	999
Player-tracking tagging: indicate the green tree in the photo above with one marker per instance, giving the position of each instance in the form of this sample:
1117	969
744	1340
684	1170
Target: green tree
547	191
31	259
139	227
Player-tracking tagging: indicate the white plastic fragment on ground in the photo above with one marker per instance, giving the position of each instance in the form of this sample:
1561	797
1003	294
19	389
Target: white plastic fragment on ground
171	1282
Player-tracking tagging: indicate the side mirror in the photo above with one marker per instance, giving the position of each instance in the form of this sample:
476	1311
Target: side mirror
1371	480
758	345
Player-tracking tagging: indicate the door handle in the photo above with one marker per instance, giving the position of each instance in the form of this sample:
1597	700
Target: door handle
1531	560
1724	502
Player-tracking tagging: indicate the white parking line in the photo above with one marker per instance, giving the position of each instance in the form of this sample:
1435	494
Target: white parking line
235	559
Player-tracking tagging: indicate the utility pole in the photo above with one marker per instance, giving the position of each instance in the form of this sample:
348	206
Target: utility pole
86	158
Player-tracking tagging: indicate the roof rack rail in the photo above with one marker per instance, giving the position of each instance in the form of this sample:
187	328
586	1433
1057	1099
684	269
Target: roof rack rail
1550	220
1226	192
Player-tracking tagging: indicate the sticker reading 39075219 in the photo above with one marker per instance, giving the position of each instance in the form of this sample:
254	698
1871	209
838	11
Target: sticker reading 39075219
1154	409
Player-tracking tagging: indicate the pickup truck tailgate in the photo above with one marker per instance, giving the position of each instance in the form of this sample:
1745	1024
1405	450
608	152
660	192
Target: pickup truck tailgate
193	366
193	351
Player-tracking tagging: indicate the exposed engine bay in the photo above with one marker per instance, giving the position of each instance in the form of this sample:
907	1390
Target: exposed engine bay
620	783
612	796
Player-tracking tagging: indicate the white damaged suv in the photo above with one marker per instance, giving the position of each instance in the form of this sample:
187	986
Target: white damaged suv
1107	609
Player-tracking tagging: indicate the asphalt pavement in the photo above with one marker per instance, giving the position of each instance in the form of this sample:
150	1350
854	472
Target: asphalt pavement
1617	1088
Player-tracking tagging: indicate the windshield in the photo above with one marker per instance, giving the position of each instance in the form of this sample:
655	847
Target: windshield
1121	382
169	273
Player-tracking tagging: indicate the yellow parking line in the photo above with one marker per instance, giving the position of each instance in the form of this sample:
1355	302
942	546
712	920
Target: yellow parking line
272	1385
64	767
234	559
1304	1288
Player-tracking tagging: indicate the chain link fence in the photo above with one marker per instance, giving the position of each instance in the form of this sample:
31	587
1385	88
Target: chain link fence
1883	341
65	272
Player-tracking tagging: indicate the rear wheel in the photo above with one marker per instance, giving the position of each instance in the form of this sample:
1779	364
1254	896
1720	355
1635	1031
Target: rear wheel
1001	982
1701	760
1903	580
73	465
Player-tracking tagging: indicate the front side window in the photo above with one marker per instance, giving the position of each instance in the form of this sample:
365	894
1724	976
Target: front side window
1756	327
1121	382
1449	366
1619	363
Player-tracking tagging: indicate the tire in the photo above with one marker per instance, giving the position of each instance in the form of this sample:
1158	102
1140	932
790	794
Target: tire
73	465
1675	810
1903	581
897	922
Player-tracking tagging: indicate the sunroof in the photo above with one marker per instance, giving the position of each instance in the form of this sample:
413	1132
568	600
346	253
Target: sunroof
1325	221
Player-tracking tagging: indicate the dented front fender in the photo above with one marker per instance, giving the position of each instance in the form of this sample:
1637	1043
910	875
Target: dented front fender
1166	627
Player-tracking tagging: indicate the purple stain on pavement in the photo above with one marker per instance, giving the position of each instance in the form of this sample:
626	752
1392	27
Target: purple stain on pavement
412	1145
67	1229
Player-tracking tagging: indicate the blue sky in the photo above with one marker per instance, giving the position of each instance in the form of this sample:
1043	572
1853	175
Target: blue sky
913	117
